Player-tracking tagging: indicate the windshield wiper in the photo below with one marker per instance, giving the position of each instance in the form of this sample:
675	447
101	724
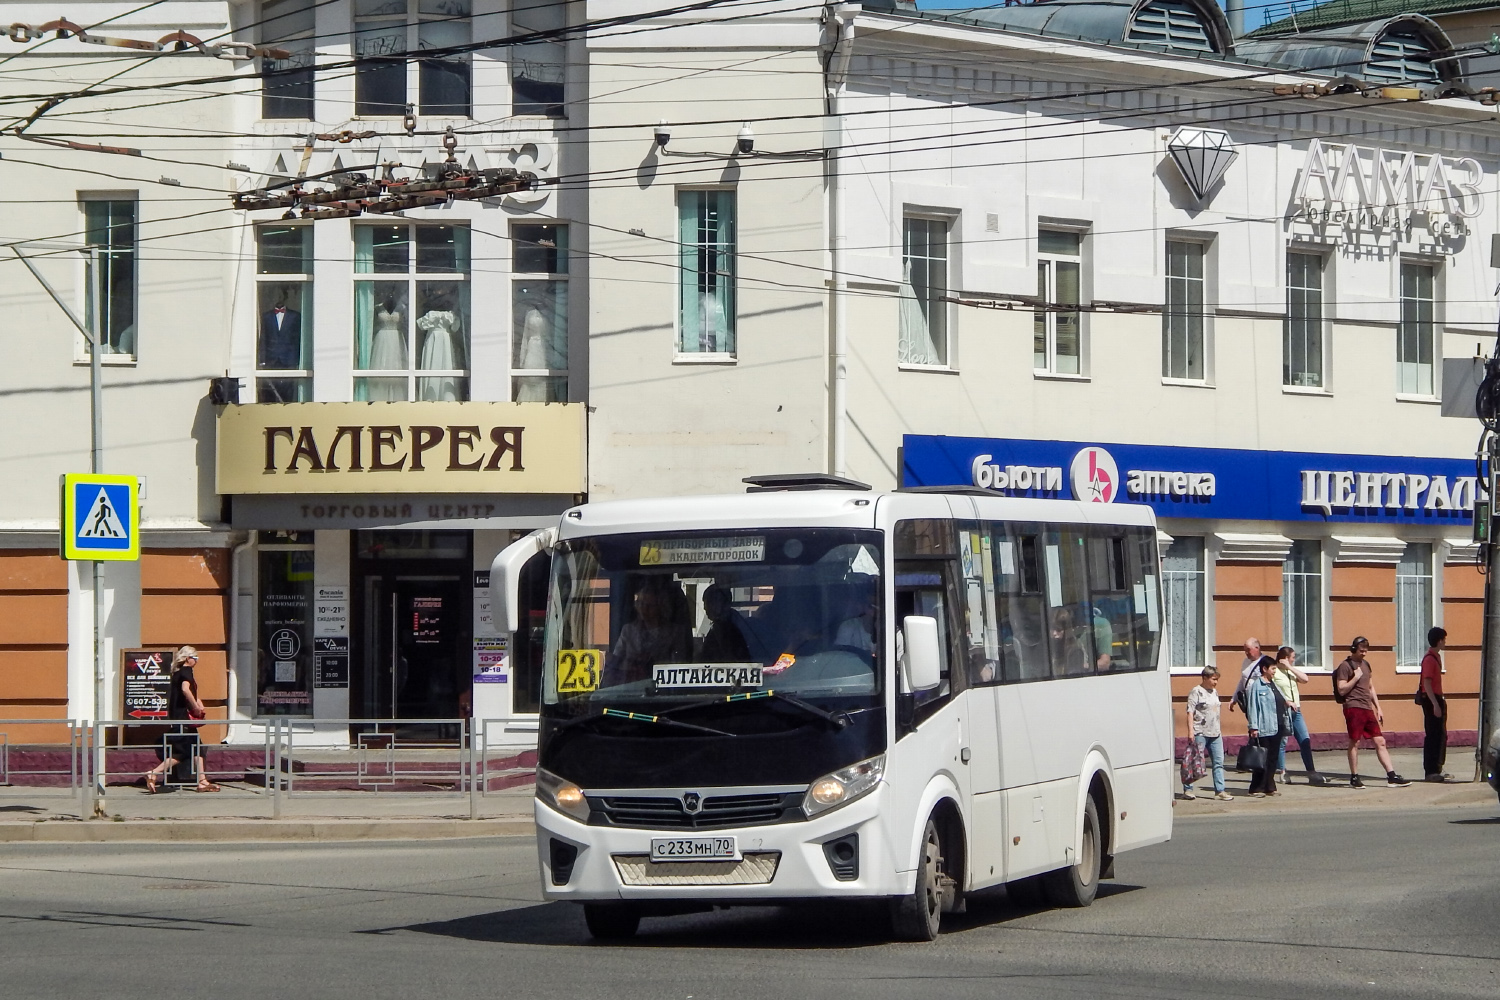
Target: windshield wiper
839	719
616	713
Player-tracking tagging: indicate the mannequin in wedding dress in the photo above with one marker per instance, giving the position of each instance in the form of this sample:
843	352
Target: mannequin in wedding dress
442	347
388	349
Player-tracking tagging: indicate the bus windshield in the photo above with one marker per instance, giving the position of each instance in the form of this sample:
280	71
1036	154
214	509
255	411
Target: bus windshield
677	617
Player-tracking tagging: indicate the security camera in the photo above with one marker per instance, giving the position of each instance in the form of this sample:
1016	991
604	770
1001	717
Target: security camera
662	135
746	141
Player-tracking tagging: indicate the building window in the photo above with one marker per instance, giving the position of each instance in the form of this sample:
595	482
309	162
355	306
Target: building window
386	32
287	84
1413	603
1302	602
1414	338
1185	583
924	292
1302	339
284	314
1057	341
539	313
110	227
1182	322
536	68
706	224
411	312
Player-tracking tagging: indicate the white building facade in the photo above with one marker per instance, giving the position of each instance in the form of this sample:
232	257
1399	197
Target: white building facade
1018	249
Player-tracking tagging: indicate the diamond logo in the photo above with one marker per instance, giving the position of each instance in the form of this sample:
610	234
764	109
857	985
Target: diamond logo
1202	156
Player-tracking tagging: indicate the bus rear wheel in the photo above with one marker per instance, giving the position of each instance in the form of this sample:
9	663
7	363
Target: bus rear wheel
611	921
916	917
1078	885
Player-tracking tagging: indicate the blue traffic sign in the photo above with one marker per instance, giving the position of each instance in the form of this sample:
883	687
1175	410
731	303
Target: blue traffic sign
101	517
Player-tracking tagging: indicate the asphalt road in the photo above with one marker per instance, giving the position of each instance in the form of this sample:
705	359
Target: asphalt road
1358	904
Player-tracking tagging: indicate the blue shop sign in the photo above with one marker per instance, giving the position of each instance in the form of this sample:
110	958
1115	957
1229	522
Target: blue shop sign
1222	483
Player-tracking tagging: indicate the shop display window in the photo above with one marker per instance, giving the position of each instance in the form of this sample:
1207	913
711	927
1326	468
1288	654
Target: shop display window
411	312
283	313
539	313
923	318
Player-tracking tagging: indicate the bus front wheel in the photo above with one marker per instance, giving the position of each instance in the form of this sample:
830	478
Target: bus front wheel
1078	885
916	917
611	921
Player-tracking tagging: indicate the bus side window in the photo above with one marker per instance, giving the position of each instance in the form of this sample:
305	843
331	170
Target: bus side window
927	575
1019	607
1070	633
980	646
1143	572
1111	599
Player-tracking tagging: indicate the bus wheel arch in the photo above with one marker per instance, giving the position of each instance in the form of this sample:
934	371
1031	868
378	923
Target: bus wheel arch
938	883
1078	884
1103	794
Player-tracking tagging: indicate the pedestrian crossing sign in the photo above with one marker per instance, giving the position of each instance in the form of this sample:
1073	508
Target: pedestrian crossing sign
101	517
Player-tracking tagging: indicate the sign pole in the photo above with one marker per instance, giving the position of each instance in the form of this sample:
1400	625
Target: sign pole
96	466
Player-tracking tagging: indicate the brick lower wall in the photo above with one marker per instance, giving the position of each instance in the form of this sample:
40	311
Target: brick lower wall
33	644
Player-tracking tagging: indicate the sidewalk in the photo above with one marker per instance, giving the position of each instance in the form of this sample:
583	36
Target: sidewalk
244	812
1299	796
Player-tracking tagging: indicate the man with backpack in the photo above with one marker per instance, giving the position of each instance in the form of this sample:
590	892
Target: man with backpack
1248	669
1352	688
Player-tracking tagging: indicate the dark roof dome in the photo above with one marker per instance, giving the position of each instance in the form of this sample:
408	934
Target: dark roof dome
1188	27
1408	48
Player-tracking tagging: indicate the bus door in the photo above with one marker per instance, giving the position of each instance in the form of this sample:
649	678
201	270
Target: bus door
979	639
932	726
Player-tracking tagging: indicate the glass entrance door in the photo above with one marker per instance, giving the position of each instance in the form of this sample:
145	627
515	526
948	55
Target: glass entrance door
415	609
416	640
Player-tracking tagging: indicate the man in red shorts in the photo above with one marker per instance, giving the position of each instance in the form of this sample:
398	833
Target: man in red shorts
1362	715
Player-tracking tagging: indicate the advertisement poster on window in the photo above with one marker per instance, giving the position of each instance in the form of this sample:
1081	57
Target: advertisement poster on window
146	681
284	653
491	661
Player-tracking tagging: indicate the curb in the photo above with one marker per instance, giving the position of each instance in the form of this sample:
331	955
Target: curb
232	830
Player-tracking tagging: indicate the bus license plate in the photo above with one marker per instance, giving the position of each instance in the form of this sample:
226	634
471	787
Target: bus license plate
695	849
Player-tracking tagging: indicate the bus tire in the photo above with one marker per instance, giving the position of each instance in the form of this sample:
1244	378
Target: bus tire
916	917
611	921
1078	885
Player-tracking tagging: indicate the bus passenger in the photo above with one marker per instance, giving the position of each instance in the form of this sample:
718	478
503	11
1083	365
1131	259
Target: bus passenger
1068	656
725	641
653	636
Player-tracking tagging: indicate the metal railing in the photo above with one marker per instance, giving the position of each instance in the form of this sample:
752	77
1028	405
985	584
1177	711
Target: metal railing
277	757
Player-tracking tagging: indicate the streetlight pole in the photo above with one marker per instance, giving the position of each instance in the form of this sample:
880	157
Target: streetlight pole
93	332
96	466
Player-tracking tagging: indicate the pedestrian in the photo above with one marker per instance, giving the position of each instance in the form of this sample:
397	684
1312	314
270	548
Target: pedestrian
1434	707
183	705
1203	722
1362	714
1265	713
1288	677
1247	670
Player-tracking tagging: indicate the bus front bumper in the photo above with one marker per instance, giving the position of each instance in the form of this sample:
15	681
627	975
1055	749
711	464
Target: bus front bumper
782	861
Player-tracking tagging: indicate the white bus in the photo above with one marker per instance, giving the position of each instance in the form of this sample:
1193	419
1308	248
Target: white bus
814	690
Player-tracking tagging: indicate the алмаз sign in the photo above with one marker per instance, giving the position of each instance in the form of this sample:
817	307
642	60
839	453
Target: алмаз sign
1223	483
1366	194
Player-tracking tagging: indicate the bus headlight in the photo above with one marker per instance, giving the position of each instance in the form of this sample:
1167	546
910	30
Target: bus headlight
562	795
842	786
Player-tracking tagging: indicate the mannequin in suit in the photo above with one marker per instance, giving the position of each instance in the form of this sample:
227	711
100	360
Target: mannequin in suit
280	336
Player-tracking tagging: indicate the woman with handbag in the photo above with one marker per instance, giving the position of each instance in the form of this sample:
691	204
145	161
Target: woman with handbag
1265	712
183	704
1208	742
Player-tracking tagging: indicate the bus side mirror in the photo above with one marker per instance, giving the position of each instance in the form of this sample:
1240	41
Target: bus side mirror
921	662
505	573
